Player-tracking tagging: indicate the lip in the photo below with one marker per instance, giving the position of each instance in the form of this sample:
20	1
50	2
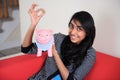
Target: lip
73	37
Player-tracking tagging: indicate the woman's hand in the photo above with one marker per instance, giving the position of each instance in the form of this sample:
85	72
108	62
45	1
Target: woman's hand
34	14
34	21
54	51
62	68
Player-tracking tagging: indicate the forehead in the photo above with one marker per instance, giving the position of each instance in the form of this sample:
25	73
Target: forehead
76	23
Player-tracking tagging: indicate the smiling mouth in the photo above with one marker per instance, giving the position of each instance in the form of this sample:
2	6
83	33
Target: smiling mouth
73	37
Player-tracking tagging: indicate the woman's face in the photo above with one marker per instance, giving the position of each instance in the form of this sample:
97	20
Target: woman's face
76	32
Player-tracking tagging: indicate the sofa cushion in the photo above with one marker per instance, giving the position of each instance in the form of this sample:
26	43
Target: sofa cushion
106	68
21	67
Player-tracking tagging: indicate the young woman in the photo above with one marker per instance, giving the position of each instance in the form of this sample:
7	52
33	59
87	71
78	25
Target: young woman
73	54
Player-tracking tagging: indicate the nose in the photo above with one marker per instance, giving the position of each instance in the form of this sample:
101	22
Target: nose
73	31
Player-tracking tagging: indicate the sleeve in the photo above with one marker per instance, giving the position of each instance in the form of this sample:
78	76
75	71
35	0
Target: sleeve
85	67
58	38
70	77
32	49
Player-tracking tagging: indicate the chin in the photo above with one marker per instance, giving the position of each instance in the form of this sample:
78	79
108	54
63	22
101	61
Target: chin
73	41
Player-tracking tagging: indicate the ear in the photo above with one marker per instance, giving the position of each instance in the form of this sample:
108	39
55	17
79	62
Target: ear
50	31
37	30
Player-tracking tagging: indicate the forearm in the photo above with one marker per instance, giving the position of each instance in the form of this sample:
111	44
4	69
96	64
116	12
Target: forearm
28	37
34	21
63	70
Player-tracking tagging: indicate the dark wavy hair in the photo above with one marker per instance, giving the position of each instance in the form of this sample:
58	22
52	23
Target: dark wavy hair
74	53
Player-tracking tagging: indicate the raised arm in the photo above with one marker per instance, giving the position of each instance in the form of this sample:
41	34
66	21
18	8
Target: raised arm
35	18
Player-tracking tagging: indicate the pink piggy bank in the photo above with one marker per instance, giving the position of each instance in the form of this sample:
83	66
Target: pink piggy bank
44	40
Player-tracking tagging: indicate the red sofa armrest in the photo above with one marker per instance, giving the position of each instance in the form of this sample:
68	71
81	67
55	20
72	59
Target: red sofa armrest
21	67
106	68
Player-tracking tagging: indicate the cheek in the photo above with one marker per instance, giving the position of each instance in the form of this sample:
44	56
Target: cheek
69	31
82	35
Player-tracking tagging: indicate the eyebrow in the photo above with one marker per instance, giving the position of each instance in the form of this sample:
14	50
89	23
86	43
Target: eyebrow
80	26
76	25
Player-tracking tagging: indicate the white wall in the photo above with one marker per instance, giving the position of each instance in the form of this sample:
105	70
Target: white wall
106	14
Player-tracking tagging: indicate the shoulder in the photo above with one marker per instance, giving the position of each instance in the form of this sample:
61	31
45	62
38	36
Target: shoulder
91	50
86	65
59	35
58	39
91	53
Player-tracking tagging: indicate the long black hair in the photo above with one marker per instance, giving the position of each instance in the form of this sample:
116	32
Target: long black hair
74	53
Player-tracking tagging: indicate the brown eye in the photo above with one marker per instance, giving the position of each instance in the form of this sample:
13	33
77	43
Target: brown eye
79	28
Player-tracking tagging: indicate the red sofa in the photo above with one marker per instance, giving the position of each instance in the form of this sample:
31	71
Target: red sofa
21	67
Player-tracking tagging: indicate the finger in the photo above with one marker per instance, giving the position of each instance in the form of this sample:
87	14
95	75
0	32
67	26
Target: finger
33	6
31	10
53	45
38	10
40	16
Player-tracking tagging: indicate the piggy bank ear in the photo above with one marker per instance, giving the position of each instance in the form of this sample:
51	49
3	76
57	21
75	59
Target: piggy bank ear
50	31
37	30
